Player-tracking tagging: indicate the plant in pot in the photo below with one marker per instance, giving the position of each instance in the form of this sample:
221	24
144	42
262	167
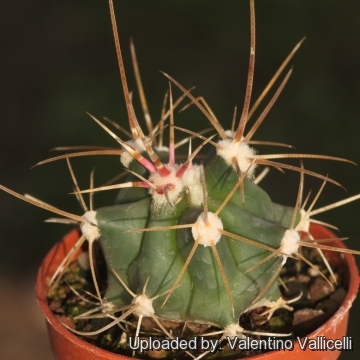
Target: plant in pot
194	250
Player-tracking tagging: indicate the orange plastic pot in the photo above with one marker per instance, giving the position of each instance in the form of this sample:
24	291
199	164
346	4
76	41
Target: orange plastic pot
67	346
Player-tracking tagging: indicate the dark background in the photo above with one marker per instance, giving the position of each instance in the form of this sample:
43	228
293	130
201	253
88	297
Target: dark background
57	61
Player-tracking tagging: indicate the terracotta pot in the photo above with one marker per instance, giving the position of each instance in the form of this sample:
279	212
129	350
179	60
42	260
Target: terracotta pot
67	346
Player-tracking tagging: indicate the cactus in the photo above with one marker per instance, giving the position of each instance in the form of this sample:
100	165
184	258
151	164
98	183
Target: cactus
192	241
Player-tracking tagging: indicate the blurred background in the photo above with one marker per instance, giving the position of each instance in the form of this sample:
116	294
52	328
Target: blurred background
58	61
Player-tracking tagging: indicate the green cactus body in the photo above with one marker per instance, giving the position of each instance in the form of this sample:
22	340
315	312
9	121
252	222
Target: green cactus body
159	255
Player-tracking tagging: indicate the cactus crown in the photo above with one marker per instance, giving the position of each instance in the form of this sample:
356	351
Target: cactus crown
192	241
